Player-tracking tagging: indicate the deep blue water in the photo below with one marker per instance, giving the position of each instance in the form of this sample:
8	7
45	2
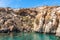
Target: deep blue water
27	36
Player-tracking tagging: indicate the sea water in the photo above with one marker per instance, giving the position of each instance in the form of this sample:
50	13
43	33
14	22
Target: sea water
27	36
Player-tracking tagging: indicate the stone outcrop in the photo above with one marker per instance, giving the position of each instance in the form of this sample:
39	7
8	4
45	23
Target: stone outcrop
45	19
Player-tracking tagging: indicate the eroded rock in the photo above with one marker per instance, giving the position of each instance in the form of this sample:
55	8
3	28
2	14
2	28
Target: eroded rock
44	19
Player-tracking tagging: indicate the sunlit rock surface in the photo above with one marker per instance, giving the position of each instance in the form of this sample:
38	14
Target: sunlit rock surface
44	19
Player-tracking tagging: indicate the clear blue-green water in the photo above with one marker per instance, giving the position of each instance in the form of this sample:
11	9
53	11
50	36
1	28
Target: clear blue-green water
27	36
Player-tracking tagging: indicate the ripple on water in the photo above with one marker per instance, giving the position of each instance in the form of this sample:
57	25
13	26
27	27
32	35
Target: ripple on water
27	36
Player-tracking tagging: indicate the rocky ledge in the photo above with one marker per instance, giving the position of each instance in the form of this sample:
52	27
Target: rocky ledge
45	19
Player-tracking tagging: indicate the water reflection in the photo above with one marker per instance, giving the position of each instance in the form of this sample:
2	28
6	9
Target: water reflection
27	36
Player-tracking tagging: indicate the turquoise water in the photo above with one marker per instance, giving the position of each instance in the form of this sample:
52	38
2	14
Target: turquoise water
27	36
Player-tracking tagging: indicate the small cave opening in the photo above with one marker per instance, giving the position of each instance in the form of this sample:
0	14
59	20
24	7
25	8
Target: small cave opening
23	13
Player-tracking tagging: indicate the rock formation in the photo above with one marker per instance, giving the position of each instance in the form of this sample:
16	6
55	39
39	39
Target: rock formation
44	19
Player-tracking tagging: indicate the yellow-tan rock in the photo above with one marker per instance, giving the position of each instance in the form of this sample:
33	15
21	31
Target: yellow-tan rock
44	19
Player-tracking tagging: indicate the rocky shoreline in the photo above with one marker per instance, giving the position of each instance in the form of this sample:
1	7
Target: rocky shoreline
44	19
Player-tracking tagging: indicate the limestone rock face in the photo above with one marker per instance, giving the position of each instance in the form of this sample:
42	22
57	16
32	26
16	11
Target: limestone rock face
44	19
58	30
47	20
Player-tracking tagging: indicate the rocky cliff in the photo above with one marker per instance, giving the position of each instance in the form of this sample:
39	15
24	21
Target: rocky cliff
44	19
